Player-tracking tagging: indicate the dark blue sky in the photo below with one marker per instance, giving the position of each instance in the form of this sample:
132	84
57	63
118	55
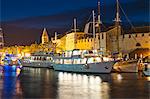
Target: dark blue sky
27	17
19	9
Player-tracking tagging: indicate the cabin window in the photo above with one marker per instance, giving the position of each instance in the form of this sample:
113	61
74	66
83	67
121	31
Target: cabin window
57	61
83	61
67	61
90	60
61	61
75	61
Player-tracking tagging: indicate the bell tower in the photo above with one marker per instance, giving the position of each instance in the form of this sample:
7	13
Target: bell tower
45	37
1	38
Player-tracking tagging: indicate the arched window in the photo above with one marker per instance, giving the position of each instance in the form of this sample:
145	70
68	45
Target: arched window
138	44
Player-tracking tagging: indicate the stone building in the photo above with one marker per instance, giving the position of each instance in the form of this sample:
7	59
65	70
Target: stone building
1	39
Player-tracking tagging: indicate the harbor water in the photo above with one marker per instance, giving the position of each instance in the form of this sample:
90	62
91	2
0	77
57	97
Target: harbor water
47	83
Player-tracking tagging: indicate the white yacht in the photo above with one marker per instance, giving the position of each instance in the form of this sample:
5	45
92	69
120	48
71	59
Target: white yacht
83	61
38	59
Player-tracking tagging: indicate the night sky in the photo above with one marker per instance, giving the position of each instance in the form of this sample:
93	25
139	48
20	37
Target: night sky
22	21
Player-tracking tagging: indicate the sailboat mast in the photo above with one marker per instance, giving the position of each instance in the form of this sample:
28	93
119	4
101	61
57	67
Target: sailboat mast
93	27
99	17
117	23
75	25
117	19
75	28
99	23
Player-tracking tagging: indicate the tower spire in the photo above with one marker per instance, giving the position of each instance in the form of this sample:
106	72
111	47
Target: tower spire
117	19
45	37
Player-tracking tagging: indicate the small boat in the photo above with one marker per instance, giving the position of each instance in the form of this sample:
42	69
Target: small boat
11	59
38	59
146	70
83	61
129	66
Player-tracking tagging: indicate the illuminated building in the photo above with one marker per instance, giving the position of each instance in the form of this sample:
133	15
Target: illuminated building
45	37
1	38
113	40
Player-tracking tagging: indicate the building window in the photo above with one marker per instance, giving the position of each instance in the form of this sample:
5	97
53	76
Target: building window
129	36
123	35
142	34
102	36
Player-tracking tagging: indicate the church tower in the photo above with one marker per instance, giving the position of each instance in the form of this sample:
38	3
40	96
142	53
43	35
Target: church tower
45	37
1	38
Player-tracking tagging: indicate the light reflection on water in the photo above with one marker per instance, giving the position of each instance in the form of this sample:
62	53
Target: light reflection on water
83	86
10	82
47	83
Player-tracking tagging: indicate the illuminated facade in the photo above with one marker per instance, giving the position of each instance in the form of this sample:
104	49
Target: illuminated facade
127	42
1	38
107	41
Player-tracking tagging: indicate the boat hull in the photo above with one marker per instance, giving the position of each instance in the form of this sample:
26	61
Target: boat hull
127	66
38	64
101	67
146	70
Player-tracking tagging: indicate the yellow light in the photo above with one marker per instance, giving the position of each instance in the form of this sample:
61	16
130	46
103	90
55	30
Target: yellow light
19	55
119	77
148	78
27	54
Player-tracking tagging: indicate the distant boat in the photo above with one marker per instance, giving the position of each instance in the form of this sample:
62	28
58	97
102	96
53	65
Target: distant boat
38	59
11	59
83	61
126	66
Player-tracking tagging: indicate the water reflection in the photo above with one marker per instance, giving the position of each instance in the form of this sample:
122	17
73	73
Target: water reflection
47	83
38	83
81	86
10	82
